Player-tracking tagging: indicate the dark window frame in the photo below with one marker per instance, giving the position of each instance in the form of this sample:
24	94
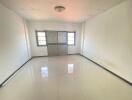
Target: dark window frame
36	32
56	31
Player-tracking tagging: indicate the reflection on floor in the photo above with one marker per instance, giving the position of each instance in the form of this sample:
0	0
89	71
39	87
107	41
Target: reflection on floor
64	78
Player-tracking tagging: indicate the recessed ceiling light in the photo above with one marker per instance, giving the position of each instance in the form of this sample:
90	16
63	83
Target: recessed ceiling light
59	8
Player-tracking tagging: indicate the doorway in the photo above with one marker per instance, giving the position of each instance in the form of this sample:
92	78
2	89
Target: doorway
57	43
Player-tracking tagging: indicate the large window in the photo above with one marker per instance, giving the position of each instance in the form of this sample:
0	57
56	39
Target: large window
41	38
71	38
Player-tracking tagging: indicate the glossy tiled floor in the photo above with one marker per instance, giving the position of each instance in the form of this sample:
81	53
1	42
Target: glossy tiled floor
64	78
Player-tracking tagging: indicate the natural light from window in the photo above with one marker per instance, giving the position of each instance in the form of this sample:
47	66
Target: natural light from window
41	38
71	38
44	72
70	68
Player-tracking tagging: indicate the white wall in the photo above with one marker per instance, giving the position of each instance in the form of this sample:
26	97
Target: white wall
108	39
13	44
57	26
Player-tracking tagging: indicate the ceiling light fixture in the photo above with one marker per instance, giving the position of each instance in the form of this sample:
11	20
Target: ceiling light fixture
59	8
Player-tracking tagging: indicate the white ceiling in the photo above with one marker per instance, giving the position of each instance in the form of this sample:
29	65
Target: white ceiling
76	10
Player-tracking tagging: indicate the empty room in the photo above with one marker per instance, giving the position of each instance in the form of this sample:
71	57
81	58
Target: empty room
65	49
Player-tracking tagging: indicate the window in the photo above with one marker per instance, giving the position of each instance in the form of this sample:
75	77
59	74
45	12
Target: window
71	38
41	38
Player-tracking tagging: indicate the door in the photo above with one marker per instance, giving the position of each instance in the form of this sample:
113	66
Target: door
52	40
57	43
62	43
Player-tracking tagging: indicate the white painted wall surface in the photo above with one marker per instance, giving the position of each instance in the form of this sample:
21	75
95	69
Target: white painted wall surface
13	47
108	39
55	26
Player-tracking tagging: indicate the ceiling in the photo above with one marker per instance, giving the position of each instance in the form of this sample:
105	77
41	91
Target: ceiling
76	10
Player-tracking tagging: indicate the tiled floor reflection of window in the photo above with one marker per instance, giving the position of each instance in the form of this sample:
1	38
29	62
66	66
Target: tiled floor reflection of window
70	68
44	71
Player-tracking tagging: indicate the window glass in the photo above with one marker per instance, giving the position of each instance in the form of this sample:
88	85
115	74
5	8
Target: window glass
41	39
71	38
